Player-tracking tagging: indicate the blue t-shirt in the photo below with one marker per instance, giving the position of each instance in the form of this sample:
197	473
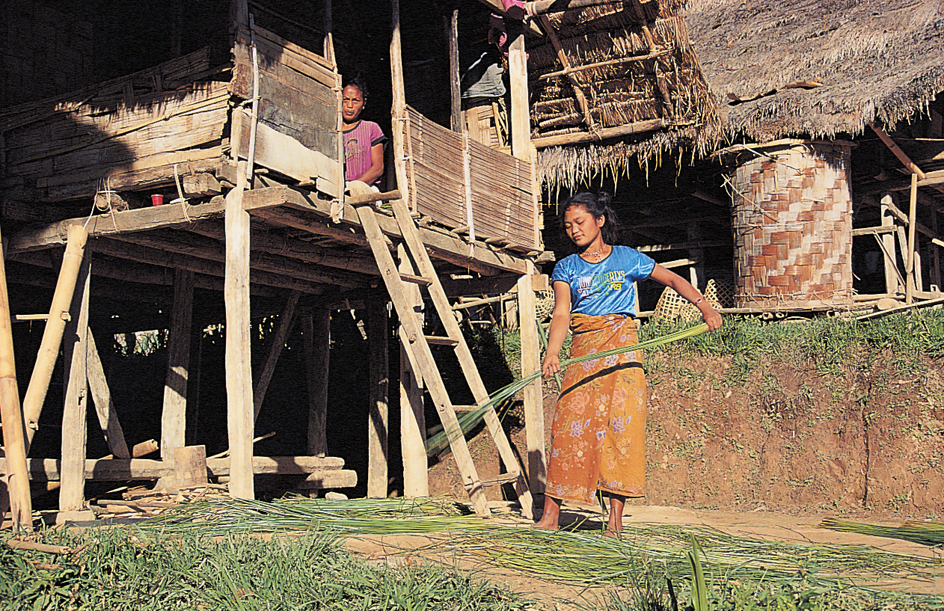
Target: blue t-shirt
605	287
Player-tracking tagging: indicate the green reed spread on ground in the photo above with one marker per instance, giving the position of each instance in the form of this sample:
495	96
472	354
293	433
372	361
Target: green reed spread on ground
203	556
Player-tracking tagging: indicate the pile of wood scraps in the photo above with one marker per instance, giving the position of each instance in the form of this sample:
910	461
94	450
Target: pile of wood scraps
143	502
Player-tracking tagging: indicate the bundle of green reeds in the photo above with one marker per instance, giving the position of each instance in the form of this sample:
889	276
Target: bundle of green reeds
924	533
365	516
438	443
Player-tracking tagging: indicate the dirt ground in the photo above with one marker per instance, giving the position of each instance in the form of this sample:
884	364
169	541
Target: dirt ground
768	455
555	596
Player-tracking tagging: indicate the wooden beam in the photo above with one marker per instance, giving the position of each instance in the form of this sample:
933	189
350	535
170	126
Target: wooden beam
412	412
174	413
238	342
455	95
483	258
312	282
398	109
193	246
896	150
520	105
276	345
104	406
580	96
123	469
639	127
378	427
316	331
612	62
910	283
293	248
541	7
75	401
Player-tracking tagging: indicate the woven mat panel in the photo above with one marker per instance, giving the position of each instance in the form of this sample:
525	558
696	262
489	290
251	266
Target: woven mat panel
793	228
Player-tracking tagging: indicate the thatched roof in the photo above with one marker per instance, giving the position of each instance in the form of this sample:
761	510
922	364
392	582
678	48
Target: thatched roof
629	66
877	61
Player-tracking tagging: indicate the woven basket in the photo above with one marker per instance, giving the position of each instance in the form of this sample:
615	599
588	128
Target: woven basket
671	305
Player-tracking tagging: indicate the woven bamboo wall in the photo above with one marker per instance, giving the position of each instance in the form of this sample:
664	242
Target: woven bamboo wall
793	228
499	187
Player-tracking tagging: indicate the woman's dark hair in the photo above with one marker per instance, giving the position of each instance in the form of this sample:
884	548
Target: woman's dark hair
599	205
355	81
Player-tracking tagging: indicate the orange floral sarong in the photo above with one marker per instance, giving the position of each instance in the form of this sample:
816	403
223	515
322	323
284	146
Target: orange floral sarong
598	436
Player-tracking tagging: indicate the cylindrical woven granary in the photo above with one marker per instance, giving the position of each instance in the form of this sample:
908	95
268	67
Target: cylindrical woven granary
792	226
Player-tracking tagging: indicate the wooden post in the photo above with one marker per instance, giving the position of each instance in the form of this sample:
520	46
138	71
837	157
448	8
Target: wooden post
520	117
412	413
238	345
52	334
193	384
379	380
14	433
190	466
398	110
455	94
888	245
75	404
910	258
317	330
174	417
275	349
104	406
935	255
533	396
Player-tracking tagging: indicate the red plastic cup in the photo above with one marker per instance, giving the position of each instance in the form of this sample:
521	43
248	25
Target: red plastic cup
157	199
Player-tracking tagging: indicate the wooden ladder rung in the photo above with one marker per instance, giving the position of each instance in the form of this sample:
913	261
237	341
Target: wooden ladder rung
465	408
504	478
415	279
434	340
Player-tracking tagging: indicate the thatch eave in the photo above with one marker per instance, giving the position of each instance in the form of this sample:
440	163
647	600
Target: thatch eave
877	63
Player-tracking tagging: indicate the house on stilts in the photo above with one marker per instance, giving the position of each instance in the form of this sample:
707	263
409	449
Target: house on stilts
207	192
799	164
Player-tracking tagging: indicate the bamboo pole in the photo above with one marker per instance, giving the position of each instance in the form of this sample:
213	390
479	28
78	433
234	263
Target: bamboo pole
14	435
52	334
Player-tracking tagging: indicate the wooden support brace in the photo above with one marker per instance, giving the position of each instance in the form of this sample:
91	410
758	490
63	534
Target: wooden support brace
317	327
275	349
75	402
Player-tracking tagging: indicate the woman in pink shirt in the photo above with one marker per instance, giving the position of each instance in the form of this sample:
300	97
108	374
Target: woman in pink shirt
363	140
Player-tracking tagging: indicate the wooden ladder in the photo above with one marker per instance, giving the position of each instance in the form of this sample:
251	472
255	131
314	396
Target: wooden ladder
417	347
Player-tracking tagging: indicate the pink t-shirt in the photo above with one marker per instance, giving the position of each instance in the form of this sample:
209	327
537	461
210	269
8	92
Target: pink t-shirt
357	144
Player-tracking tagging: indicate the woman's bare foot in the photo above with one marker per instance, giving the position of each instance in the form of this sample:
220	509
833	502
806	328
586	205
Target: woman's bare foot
614	523
616	534
551	518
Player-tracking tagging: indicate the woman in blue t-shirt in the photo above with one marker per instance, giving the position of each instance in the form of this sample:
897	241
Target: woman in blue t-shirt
598	431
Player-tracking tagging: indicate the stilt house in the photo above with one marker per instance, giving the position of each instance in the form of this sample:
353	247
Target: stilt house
207	191
800	154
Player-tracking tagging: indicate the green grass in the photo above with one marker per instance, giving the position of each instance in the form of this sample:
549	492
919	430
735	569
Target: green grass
127	569
211	555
